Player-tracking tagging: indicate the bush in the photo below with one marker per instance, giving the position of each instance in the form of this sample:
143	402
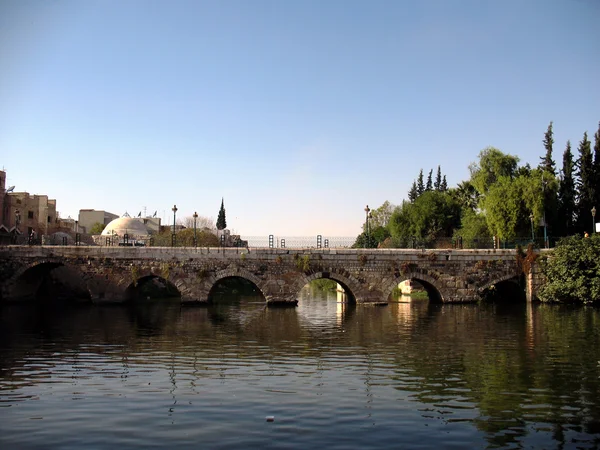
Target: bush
573	271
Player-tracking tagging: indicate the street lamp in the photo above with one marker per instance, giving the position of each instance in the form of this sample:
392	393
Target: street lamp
195	216
367	210
593	219
531	219
174	209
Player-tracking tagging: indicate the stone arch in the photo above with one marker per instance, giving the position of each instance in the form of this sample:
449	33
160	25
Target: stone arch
131	292
350	284
507	288
234	271
429	282
19	287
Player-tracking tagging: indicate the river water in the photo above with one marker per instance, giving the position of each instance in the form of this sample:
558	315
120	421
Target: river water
323	375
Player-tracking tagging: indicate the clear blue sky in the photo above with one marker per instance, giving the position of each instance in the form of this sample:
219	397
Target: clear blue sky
298	113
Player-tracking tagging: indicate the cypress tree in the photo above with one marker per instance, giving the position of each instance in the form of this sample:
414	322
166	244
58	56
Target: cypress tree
444	184
547	163
420	186
221	222
412	194
566	195
597	167
429	185
585	184
438	180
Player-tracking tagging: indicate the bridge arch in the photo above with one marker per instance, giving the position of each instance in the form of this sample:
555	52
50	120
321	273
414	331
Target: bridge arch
28	281
505	286
434	291
240	273
139	288
350	284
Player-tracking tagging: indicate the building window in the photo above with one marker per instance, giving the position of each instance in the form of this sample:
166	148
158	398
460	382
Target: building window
30	214
18	201
49	219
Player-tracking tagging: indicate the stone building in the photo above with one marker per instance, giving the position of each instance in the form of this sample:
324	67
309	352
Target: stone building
124	230
23	213
89	217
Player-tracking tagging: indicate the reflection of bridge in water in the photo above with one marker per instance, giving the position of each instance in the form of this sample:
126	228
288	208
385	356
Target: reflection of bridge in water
115	274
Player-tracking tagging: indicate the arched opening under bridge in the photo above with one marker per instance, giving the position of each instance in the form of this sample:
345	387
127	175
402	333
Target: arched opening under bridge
508	290
49	282
414	286
151	287
233	290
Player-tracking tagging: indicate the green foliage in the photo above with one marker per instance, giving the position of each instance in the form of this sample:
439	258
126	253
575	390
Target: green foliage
97	228
433	215
566	195
324	284
376	237
221	222
585	184
185	238
473	229
573	271
547	163
492	165
302	262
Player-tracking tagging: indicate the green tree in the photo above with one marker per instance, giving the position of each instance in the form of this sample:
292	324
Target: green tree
444	185
492	165
466	195
597	167
585	184
429	185
437	185
566	195
185	238
420	185
221	222
97	228
573	271
413	193
432	216
473	230
547	163
381	216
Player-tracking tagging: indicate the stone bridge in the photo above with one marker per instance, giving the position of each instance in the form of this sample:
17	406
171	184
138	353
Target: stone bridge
111	274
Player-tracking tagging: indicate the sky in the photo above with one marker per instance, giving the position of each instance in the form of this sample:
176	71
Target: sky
297	113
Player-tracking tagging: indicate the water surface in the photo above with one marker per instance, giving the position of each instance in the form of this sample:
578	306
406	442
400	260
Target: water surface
408	375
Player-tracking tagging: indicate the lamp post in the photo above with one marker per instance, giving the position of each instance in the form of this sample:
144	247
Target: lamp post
531	219
195	216
367	210
593	219
174	209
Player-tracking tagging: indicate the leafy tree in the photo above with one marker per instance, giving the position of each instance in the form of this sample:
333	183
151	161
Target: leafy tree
185	238
466	195
492	165
97	228
420	186
566	195
432	216
437	185
547	163
376	236
444	184
573	271
381	216
221	222
413	193
429	185
202	222
510	202
585	184
473	229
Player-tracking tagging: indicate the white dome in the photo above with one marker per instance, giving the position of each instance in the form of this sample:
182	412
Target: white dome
130	225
